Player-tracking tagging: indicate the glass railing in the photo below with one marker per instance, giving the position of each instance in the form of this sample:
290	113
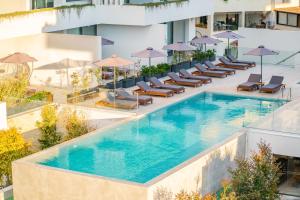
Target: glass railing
283	120
284	58
110	99
19	105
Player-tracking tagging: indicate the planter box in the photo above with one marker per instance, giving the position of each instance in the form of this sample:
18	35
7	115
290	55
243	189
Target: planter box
179	66
111	85
212	59
147	78
129	82
158	75
175	68
138	79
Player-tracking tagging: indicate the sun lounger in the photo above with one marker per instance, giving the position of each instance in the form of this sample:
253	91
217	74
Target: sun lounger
274	85
252	83
227	64
234	60
124	95
155	83
185	74
110	101
175	79
147	90
201	70
213	67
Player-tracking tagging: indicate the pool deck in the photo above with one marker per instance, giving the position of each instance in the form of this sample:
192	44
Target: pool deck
228	85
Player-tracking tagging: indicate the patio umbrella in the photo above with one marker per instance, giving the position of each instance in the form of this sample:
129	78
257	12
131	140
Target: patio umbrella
66	64
18	59
228	35
261	51
115	62
205	40
179	46
148	53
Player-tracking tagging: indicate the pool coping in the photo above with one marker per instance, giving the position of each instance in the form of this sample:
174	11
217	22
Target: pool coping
34	158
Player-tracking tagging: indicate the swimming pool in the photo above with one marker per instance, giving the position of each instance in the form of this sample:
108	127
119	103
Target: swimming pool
142	149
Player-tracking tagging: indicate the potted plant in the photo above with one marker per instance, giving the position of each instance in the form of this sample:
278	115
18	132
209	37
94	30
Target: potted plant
164	69
154	71
200	56
146	72
211	54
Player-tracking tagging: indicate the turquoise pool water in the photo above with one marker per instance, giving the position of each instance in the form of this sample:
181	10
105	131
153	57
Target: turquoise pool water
142	149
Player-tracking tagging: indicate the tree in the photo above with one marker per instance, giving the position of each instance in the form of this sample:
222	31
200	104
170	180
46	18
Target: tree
257	177
12	147
49	136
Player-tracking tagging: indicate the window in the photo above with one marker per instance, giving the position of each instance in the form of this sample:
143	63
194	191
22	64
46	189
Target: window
292	20
86	30
282	18
37	4
201	22
288	19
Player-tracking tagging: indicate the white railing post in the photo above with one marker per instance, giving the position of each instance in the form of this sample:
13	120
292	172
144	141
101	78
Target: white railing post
3	116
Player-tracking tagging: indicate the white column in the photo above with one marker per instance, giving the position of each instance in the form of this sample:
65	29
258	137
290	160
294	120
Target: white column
190	29
242	19
3	116
210	24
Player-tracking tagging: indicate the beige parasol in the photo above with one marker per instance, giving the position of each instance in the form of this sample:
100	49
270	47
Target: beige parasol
18	59
115	62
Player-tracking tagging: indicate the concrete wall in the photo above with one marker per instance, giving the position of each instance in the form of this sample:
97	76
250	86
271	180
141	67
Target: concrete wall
130	39
8	6
49	48
30	184
238	5
3	116
204	172
281	143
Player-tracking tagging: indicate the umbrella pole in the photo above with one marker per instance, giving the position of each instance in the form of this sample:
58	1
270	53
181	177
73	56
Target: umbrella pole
261	69
68	77
114	87
149	62
228	47
205	46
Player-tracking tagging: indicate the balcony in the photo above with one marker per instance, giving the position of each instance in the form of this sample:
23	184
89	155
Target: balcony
61	18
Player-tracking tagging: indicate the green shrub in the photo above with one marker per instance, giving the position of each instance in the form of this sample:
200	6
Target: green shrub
12	147
163	67
13	87
210	53
49	135
39	96
200	55
256	177
194	196
76	124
